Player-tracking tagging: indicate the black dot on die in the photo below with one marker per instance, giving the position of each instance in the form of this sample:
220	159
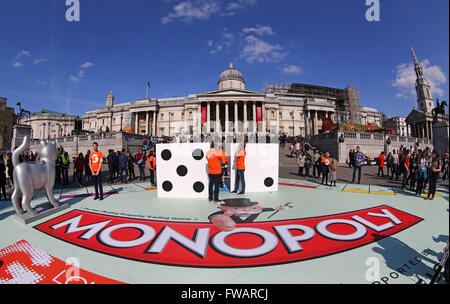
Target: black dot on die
268	182
198	154
166	154
167	186
182	170
199	187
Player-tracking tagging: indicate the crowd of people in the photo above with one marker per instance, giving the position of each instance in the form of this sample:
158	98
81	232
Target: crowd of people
415	170
321	164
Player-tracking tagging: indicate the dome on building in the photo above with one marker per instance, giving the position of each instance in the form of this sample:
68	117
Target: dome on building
231	79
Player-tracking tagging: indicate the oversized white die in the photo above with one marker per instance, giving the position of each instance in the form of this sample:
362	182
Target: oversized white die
182	170
261	167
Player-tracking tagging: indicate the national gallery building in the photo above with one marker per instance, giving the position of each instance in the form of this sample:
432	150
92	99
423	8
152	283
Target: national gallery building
295	109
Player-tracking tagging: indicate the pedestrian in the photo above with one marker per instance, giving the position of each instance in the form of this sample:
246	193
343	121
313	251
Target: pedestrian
223	167
325	169
123	166
152	167
307	164
381	160
10	168
445	167
131	160
333	171
405	168
65	164
389	164
95	164
3	178
421	174
351	154
78	167
315	163
141	158
110	159
301	163
429	158
87	169
214	158
240	170
413	170
394	166
436	167
358	163
297	149
116	165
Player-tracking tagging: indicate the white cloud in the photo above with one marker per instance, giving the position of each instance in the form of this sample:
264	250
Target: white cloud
23	53
87	65
188	11
204	9
405	79
74	78
257	50
17	64
40	60
260	30
41	82
292	69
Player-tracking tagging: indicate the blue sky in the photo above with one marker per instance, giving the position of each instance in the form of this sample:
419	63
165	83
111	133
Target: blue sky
181	47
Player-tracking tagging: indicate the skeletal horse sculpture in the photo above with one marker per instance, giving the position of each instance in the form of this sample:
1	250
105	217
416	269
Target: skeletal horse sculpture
29	176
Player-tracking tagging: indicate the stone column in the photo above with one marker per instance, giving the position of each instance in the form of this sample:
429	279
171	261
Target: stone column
227	118
43	132
431	129
185	121
245	117
154	124
268	119
48	130
147	116
254	117
136	122
218	128
236	117
316	126
277	113
208	117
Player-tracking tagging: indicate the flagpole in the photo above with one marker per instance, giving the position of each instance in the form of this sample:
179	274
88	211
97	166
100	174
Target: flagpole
146	94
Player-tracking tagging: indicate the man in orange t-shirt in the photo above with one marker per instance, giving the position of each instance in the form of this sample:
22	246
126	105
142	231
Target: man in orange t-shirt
215	159
95	164
152	167
223	167
240	169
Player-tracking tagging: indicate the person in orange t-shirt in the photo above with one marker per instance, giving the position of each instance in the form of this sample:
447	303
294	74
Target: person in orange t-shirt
215	159
223	167
95	164
240	169
152	167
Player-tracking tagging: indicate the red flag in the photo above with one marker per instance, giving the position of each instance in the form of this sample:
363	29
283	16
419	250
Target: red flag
258	114
204	116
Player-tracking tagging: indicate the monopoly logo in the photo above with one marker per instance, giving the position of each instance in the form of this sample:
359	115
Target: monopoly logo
204	245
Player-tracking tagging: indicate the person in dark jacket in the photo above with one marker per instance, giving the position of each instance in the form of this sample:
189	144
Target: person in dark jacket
87	170
110	159
2	178
123	166
10	168
131	160
79	167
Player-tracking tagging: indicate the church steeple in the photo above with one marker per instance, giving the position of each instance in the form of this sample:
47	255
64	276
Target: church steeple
424	97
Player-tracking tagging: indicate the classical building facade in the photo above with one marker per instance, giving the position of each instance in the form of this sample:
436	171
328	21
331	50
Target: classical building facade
49	124
399	125
295	109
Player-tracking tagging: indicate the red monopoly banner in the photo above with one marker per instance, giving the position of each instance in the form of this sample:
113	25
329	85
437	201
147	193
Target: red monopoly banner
205	245
23	263
258	114
204	115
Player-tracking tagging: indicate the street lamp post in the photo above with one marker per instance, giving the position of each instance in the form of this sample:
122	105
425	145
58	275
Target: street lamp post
293	124
121	119
170	114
